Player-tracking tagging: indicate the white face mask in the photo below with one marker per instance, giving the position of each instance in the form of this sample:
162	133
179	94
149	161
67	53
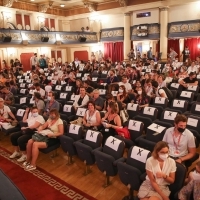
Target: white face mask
35	114
49	98
163	156
120	90
139	92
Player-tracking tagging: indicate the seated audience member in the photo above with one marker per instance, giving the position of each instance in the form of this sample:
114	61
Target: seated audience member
141	99
44	81
194	175
13	88
123	96
88	89
110	121
193	68
148	87
79	84
70	78
91	83
7	96
6	116
191	80
92	116
82	99
112	78
111	98
40	90
98	101
159	92
160	169
55	125
183	72
146	77
161	81
180	140
51	104
170	72
39	102
126	84
31	121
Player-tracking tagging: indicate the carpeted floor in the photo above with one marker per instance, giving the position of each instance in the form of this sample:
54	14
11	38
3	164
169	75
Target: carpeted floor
38	184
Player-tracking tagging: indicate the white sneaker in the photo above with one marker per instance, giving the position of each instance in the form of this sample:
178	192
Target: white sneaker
25	164
22	158
15	154
29	168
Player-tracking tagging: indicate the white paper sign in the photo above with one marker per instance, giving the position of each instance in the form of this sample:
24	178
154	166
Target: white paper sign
102	92
67	108
20	112
32	101
28	81
113	143
175	85
46	74
84	78
78	75
24	74
170	115
157	128
139	154
160	100
186	94
63	95
192	87
49	77
134	125
22	100
73	128
81	68
132	106
198	76
197	108
149	111
94	79
22	91
21	80
104	72
85	75
54	82
68	88
114	93
63	82
178	103
26	77
168	79
192	122
30	85
148	70
19	77
92	135
58	87
22	85
31	92
104	84
73	97
81	111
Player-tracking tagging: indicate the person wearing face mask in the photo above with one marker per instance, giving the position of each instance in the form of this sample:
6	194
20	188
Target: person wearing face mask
31	121
160	169
39	89
123	96
181	141
51	104
39	102
55	125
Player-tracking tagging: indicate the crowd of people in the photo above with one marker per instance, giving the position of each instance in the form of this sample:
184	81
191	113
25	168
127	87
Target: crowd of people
137	81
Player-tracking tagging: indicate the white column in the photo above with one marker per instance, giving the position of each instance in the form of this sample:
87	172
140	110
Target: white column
127	34
181	44
163	31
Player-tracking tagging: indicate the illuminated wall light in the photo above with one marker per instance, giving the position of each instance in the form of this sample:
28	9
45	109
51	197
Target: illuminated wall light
62	5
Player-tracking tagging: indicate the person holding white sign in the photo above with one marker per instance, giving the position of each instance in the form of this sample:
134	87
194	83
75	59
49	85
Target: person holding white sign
180	140
160	169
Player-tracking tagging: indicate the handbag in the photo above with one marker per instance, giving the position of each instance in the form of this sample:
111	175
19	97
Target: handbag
40	138
124	115
124	132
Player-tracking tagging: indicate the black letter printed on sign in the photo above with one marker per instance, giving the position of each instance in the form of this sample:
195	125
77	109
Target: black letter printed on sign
157	126
74	128
92	133
139	152
113	141
170	114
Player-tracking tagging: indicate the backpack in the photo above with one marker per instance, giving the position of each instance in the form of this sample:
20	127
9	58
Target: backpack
169	94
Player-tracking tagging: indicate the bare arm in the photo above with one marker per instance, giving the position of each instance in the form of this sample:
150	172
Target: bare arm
191	154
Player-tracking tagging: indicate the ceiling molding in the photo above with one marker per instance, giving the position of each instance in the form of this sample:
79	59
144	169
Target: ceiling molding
122	2
8	3
91	6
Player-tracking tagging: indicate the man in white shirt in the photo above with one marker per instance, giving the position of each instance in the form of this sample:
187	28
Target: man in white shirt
159	92
180	140
33	61
39	89
126	84
193	68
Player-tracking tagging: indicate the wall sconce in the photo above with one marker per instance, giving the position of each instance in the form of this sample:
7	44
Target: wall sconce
41	19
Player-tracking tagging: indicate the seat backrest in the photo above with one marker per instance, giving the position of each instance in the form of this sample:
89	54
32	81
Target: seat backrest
93	139
155	132
137	157
114	147
181	105
195	108
135	128
23	100
63	96
65	126
176	86
74	131
132	109
160	101
193	122
179	179
150	112
168	116
81	112
68	88
187	95
58	88
69	109
20	113
13	109
193	88
175	93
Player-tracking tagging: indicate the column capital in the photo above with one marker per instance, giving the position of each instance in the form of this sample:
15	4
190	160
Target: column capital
164	8
128	14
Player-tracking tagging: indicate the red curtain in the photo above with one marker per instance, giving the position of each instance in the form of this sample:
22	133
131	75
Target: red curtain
81	55
118	51
174	43
27	20
109	50
52	23
46	22
18	19
194	47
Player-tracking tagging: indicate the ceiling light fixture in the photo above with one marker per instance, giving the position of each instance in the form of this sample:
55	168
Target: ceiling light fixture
62	5
32	0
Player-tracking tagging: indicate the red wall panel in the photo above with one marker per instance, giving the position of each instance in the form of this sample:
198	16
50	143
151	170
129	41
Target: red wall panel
46	22
52	23
81	55
25	60
18	19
